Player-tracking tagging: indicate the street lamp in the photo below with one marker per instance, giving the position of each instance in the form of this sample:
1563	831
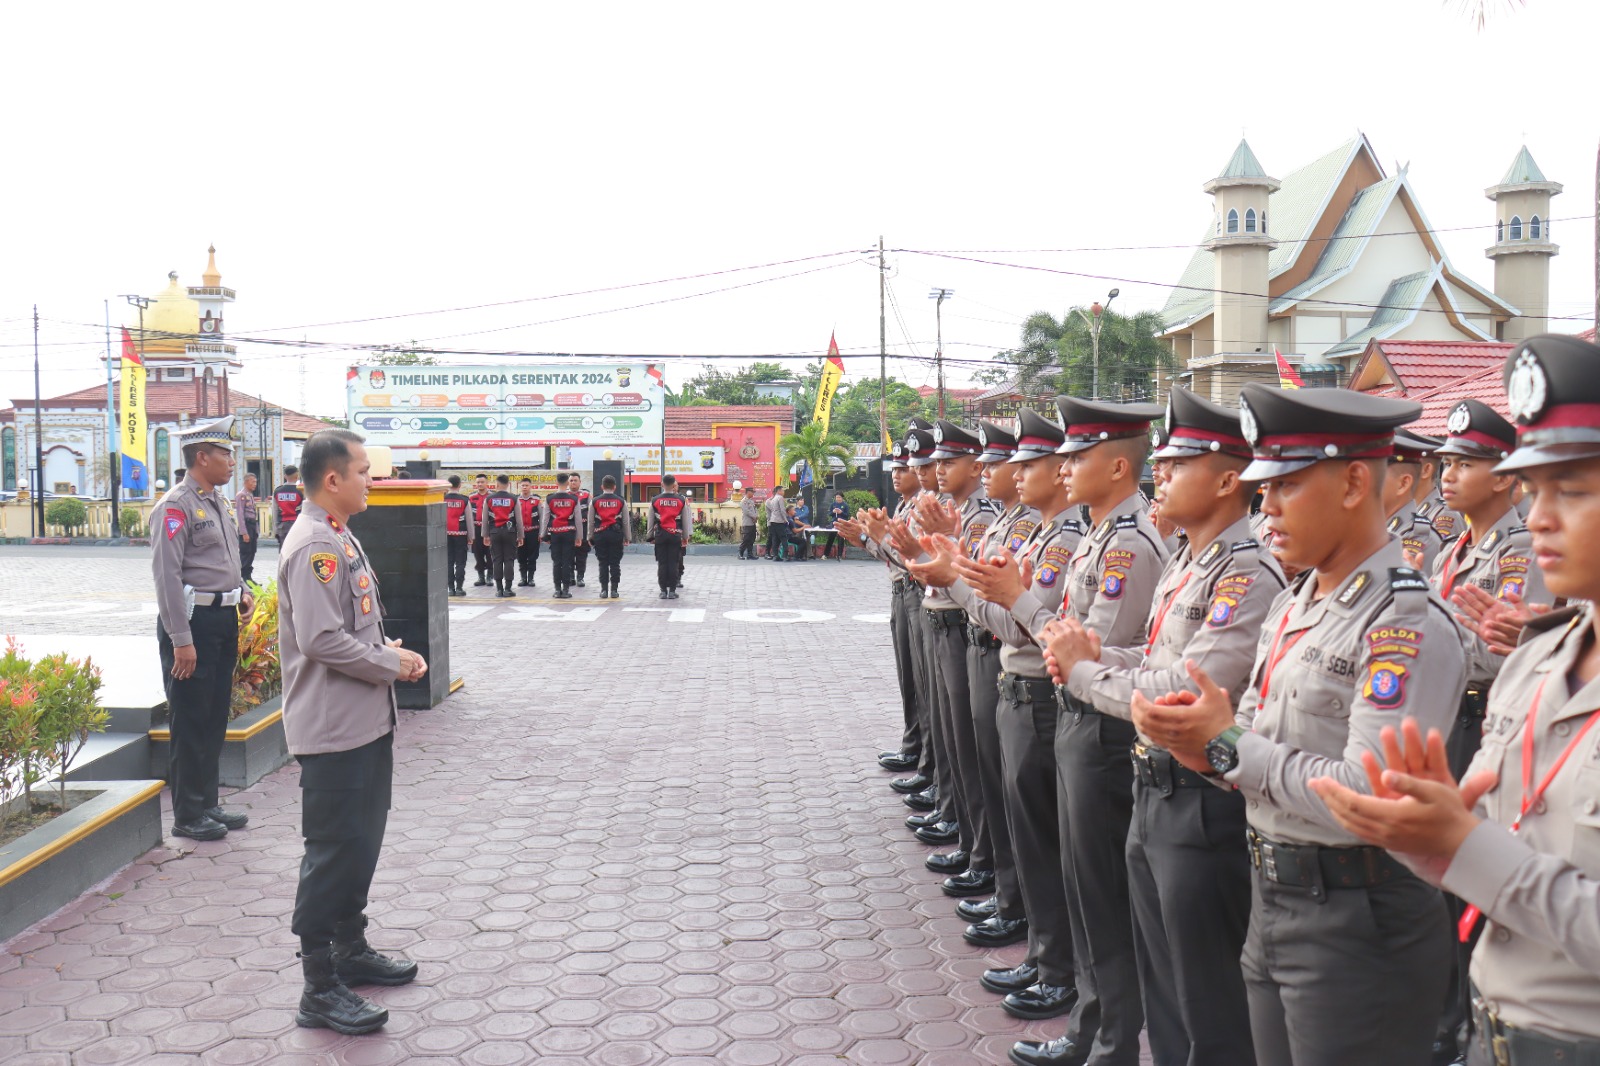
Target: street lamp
1094	321
940	296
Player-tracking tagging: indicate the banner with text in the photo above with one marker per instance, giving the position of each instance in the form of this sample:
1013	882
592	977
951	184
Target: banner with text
752	452
131	427
696	460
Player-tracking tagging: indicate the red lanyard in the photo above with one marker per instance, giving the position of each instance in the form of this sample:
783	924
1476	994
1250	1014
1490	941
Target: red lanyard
1166	605
1532	795
1278	653
1457	557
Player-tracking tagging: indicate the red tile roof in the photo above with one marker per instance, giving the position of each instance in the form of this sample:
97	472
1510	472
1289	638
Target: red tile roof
685	422
1484	385
959	395
165	401
1419	366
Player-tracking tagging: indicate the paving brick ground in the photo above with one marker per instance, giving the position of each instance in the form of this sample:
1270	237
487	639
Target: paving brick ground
633	838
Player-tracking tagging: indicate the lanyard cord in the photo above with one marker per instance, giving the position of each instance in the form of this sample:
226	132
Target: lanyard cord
1166	606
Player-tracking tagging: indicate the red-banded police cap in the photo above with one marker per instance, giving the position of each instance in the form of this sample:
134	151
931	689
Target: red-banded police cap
1089	422
999	443
953	442
1289	429
1037	436
1196	426
1553	390
1477	431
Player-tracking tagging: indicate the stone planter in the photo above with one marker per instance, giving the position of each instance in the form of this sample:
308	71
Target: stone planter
111	824
253	748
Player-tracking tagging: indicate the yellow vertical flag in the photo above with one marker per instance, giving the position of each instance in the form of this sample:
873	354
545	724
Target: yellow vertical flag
832	371
131	426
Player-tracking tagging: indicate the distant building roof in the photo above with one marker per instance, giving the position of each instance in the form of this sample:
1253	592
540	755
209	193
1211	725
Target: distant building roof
1484	385
1407	368
1243	164
167	401
697	421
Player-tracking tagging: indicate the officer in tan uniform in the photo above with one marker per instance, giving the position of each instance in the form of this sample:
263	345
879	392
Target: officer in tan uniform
1418	539
339	671
1005	591
1347	954
1520	837
1186	846
200	597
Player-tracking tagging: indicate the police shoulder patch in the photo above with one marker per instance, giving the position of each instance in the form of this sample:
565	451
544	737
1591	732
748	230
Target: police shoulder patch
324	565
1225	599
1386	684
173	521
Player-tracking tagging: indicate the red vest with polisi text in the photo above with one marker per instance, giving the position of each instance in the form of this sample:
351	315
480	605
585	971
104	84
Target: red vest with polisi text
502	510
288	498
608	507
455	513
669	509
562	506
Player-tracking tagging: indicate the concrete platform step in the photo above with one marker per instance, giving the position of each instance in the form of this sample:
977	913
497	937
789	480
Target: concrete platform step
118	756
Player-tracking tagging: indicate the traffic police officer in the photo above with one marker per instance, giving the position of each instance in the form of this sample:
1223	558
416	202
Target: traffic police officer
1347	953
1186	845
608	528
244	509
199	600
338	719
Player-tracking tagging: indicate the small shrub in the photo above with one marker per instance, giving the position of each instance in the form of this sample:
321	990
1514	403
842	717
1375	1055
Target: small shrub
70	514
132	524
859	498
258	675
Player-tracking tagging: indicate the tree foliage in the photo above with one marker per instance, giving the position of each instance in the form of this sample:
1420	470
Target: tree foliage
714	386
1057	355
405	357
818	451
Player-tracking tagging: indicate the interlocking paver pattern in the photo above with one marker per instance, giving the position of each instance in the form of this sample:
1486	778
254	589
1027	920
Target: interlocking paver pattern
635	839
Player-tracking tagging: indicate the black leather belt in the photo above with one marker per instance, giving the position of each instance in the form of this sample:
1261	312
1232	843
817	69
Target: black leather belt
1474	704
1070	704
948	618
1510	1046
1318	868
1025	689
1156	768
980	638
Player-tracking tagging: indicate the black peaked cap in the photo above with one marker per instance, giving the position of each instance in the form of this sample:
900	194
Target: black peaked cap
1195	426
1478	431
1089	422
1036	436
1289	429
953	442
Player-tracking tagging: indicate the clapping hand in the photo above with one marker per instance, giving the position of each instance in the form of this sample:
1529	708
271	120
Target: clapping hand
939	571
1067	643
938	516
999	579
904	541
1185	722
1498	621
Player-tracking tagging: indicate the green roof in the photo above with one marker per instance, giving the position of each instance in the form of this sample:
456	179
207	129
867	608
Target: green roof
1397	308
1524	171
1243	164
1339	254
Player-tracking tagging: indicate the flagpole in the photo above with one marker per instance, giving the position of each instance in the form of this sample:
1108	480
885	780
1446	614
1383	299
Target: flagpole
883	386
113	453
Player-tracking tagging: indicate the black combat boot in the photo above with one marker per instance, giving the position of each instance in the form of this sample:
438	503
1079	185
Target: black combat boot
358	964
328	1003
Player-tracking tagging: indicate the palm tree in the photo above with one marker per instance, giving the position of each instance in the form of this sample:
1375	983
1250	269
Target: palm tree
1057	355
818	451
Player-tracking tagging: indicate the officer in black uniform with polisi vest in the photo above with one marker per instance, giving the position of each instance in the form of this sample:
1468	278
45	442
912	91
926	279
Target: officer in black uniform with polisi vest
459	533
608	528
561	530
1347	954
531	512
580	556
503	527
671	523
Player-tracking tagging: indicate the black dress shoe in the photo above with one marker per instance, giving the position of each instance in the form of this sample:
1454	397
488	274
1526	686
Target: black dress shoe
940	833
922	801
579	583
917	821
898	761
946	862
231	819
969	883
1005	982
202	829
1057	1052
976	910
908	785
996	932
1040	1001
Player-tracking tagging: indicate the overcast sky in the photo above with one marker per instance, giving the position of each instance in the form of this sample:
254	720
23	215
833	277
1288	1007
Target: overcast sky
366	171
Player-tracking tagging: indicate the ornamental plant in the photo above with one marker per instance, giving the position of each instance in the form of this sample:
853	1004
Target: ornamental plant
258	675
67	513
69	710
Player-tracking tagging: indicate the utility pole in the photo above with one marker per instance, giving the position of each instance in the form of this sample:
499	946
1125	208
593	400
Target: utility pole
113	459
38	432
883	380
940	295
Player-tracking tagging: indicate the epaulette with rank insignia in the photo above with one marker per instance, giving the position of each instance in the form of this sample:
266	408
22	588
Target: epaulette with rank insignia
987	504
1209	556
1073	524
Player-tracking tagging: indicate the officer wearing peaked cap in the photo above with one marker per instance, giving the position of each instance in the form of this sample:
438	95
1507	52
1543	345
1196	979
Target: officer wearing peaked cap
1347	952
1429	500
199	598
1186	847
910	753
1525	846
1419	540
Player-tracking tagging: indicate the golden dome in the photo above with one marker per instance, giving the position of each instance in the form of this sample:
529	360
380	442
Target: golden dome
170	311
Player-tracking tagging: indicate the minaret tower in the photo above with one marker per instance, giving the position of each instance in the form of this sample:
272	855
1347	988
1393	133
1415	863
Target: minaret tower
212	356
1522	246
1241	245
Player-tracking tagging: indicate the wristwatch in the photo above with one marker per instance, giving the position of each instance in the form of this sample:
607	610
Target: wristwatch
1222	750
863	538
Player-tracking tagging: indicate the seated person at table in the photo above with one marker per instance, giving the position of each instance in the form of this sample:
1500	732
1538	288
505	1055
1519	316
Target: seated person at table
799	539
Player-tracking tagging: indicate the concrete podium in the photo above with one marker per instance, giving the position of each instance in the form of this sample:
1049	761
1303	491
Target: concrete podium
403	532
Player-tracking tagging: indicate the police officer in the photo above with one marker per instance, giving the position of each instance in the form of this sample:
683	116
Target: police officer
1419	540
1429	499
608	528
561	533
993	591
480	523
1186	845
1519	837
671	522
503	526
199	598
286	500
338	719
530	510
581	550
748	510
244	508
1347	954
459	532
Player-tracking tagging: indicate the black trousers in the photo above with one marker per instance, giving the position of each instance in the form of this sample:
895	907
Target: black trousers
983	668
283	531
480	556
776	535
669	559
747	542
947	647
247	551
199	708
608	553
561	549
344	808
1027	730
503	553
580	559
834	541
456	553
528	556
905	668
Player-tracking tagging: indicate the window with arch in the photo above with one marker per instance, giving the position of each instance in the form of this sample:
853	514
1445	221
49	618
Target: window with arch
1534	228
1250	220
164	456
1499	230
8	459
1516	227
1233	220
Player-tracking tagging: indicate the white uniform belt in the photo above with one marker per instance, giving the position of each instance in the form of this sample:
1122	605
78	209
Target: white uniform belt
218	599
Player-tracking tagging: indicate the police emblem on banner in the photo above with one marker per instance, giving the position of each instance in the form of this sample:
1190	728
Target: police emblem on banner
324	565
1386	684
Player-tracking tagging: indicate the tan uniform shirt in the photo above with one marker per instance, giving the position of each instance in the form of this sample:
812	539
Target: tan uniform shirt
977	513
194	542
1048	548
1329	674
1208	608
1500	562
1417	537
747	511
338	674
1444	521
1538	961
1113	576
